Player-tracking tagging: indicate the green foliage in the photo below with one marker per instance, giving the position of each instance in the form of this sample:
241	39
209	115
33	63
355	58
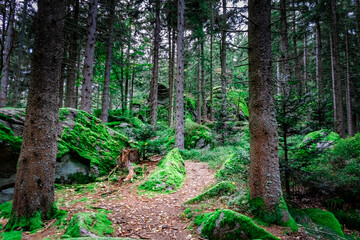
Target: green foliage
235	168
349	218
220	189
30	223
7	136
5	209
227	224
92	222
196	134
188	213
13	235
169	175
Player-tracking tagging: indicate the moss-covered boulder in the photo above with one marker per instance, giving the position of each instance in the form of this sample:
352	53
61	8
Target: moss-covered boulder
87	148
197	136
90	224
227	224
235	167
220	189
169	175
320	140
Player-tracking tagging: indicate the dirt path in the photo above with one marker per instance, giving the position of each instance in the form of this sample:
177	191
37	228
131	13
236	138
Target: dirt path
133	215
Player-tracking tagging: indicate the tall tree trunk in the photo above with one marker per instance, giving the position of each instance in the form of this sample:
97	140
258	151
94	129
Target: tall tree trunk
211	74
106	90
171	76
348	95
223	72
198	87
357	2
305	63
6	56
34	187
264	161
333	80
180	124
88	69
339	120
123	108
127	75
203	84
132	88
296	61
63	75
319	66
155	70
278	76
70	99
20	53
285	48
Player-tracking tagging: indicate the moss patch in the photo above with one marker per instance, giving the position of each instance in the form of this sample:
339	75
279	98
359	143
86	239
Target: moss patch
14	235
5	209
196	135
227	224
169	175
85	224
234	168
7	136
30	223
220	189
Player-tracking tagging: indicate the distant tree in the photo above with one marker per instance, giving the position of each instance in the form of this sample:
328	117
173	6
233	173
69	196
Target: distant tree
34	187
223	70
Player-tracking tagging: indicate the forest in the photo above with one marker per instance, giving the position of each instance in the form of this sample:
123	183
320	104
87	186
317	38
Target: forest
180	119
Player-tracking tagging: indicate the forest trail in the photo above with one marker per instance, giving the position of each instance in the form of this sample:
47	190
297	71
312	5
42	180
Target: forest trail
133	215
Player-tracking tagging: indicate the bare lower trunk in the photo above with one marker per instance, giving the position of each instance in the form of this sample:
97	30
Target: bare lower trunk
203	84
198	88
333	80
88	69
127	75
211	79
179	124
223	72
132	89
278	76
319	67
305	63
348	97
105	96
34	187
171	76
296	61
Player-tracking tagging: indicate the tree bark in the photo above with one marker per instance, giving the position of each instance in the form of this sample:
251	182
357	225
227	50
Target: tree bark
20	53
203	84
132	88
88	69
211	73
6	56
357	2
264	160
34	187
223	72
319	65
155	70
70	99
296	62
198	87
333	80
285	48
305	63
171	76
106	90
127	75
180	124
348	95
339	119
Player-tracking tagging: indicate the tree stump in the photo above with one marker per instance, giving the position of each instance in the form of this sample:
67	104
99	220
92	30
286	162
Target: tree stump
126	159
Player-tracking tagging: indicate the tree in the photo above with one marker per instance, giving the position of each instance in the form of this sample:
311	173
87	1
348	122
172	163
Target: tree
34	187
179	122
265	186
223	70
89	58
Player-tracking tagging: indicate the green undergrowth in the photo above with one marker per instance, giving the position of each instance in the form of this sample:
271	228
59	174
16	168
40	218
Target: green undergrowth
276	216
7	136
91	222
220	189
227	224
196	135
349	218
169	175
235	168
13	235
318	222
5	209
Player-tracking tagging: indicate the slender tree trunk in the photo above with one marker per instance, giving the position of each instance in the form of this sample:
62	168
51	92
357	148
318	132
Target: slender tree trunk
339	120
20	53
285	48
357	2
171	76
296	61
127	75
348	95
223	72
88	69
132	88
211	75
105	96
278	76
264	161
34	187
63	75
70	99
198	87
203	84
305	63
319	66
123	108
180	124
6	56
155	70
333	80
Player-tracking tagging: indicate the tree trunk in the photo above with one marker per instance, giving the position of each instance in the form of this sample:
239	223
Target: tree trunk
339	120
198	87
305	63
333	80
285	48
123	108
278	76
105	96
70	99
127	75
211	74
264	161
296	61
203	84
6	56
132	88
357	2
223	72
319	66
20	53
179	124
348	95
34	187
155	70
171	76
88	69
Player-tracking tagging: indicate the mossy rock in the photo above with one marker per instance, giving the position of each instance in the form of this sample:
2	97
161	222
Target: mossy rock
318	222
169	175
197	136
234	167
227	224
220	189
90	224
13	235
5	209
320	140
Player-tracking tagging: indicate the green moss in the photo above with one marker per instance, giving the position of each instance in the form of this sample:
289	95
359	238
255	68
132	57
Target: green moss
350	218
323	135
30	223
169	175
7	136
220	189
325	218
13	235
188	213
275	216
96	223
194	133
5	209
235	167
227	224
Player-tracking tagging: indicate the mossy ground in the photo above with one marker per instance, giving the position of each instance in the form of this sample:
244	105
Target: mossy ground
5	209
227	224
14	235
169	175
220	189
194	133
